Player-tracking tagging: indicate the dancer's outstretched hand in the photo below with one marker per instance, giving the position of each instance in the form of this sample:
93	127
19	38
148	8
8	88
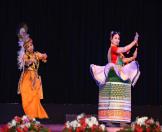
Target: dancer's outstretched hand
136	38
44	57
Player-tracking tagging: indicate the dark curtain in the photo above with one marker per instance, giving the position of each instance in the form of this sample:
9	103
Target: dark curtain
75	34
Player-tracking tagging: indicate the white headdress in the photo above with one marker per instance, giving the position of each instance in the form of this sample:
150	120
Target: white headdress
23	38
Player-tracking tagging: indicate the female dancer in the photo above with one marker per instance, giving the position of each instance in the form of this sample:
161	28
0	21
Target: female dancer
30	85
115	80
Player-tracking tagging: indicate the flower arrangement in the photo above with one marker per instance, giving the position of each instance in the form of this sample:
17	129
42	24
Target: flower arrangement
24	124
84	123
143	124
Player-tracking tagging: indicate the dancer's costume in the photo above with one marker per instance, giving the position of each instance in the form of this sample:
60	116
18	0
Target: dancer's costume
30	85
115	80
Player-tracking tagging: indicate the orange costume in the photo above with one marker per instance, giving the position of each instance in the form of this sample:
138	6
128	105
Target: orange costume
30	85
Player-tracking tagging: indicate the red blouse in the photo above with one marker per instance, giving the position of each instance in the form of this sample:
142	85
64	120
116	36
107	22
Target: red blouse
114	54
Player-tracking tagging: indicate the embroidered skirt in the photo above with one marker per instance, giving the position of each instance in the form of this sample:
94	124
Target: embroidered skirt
115	102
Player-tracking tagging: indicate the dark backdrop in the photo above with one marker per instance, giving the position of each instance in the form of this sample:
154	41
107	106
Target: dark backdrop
74	34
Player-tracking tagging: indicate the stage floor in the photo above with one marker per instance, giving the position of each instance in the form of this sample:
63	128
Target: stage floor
59	113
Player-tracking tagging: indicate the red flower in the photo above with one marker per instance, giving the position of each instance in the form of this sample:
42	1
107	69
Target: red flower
25	129
17	119
19	129
149	121
148	129
94	127
79	129
138	128
82	121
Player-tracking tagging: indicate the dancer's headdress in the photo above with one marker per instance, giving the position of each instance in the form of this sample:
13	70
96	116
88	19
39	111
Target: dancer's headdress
112	33
23	42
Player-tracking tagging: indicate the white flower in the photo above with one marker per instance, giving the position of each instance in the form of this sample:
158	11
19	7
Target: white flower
9	125
67	124
87	120
80	116
90	124
13	123
102	126
157	123
94	120
24	117
91	121
79	125
151	121
22	126
74	124
27	125
141	121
